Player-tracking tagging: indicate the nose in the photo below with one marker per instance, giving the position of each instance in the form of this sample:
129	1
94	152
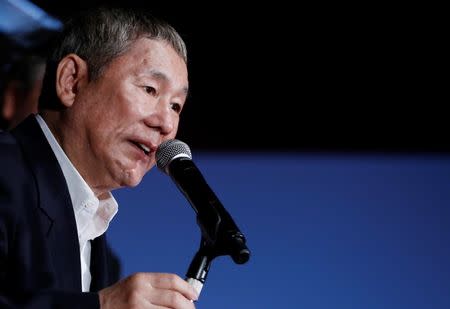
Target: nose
162	118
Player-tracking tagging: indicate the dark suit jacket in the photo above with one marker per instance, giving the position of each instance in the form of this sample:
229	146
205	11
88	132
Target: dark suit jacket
39	249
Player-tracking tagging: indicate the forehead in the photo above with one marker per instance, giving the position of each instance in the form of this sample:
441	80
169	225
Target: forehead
147	55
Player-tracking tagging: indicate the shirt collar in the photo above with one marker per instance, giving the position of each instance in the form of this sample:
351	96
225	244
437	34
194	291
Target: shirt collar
88	209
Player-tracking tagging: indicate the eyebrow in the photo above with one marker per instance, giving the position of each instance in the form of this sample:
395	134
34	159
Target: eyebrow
163	77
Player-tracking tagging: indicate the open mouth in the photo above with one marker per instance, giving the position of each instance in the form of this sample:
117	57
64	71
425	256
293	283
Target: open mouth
144	148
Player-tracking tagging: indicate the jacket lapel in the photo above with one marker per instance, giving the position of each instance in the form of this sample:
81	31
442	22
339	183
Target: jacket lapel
55	204
99	265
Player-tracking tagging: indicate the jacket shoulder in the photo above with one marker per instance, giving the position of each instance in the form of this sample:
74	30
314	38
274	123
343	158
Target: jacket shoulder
16	179
12	162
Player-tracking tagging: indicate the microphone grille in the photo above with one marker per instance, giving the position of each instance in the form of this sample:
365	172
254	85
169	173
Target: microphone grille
170	150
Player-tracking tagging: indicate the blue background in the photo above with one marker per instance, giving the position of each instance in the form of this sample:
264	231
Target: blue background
325	230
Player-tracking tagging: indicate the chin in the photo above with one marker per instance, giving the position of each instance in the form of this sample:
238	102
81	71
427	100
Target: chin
130	174
131	179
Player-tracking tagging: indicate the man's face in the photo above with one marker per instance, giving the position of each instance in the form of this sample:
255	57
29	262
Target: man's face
129	111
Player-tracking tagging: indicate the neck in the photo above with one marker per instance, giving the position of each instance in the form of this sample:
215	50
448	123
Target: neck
69	136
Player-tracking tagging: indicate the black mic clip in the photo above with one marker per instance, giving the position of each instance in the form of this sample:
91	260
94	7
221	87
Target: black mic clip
220	235
216	241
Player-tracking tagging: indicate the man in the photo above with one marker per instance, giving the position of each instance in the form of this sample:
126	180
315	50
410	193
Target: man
20	88
114	89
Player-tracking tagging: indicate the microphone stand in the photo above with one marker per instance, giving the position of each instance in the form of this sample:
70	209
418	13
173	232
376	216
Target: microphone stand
229	243
199	267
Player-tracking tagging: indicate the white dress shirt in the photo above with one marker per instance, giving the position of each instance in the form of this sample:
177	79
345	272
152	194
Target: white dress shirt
92	215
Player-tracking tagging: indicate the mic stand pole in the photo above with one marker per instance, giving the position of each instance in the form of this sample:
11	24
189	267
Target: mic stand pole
230	243
199	267
220	236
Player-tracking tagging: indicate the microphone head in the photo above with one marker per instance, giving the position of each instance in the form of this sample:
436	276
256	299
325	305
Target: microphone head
170	150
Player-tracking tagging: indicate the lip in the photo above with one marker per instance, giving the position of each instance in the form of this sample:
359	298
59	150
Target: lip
150	145
138	154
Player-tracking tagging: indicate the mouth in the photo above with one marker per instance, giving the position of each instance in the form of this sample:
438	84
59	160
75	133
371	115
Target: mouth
142	147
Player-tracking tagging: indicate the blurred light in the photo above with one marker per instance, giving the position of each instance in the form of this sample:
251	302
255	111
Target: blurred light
20	18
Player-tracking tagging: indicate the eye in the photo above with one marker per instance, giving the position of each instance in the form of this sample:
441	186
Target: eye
176	107
150	90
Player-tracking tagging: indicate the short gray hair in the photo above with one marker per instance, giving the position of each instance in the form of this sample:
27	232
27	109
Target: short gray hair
102	34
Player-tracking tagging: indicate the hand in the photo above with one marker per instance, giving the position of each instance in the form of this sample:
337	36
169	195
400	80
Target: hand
149	290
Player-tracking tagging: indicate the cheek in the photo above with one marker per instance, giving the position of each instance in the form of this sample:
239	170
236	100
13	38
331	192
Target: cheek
175	127
130	104
117	114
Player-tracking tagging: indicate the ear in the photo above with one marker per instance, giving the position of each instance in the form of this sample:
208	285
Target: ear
71	76
10	100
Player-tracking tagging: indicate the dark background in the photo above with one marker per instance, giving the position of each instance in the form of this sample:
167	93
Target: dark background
306	78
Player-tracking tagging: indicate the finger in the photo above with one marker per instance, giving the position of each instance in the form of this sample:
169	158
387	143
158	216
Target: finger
170	299
146	301
175	283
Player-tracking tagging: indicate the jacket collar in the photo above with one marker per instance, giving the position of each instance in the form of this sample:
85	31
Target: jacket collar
54	202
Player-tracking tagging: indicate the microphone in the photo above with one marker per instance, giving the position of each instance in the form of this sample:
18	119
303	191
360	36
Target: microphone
218	228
